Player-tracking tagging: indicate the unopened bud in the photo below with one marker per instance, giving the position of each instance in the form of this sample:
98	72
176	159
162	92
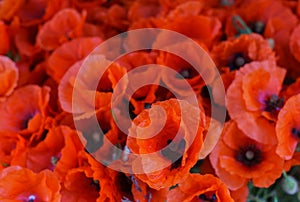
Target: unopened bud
289	184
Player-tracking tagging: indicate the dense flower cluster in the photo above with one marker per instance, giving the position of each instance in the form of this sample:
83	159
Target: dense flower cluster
255	45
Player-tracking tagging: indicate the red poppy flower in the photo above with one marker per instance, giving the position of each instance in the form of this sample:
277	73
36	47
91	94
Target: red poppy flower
287	128
85	104
115	186
65	56
25	40
253	102
295	43
143	9
40	153
241	194
143	193
235	53
87	4
200	188
9	76
183	72
25	110
65	25
210	28
9	8
189	8
298	8
291	90
5	45
21	184
272	20
8	142
180	157
78	186
238	159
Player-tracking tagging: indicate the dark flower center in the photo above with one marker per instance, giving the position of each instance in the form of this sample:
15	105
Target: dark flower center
257	27
238	60
274	104
296	132
31	198
147	105
174	152
249	155
186	73
205	198
95	184
26	120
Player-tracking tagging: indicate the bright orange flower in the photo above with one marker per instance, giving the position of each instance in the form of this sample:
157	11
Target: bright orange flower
68	54
5	40
238	159
21	184
25	110
9	76
253	102
65	25
288	128
179	156
200	188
